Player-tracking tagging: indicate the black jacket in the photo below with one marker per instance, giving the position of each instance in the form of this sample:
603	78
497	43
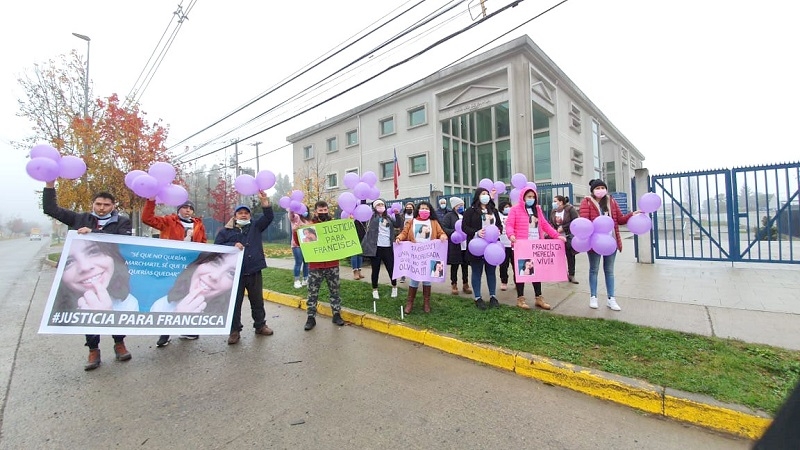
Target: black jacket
472	222
449	226
249	236
118	224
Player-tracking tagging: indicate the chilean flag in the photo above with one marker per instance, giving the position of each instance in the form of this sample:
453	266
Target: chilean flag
396	175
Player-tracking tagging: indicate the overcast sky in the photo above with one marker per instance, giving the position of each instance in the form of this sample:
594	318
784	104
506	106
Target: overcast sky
693	85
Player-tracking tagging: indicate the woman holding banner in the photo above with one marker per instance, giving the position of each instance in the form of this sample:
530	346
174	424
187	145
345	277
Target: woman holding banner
526	221
377	243
424	217
297	221
204	286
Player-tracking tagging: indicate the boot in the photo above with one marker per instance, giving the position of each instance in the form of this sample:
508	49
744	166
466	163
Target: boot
465	287
521	303
540	303
355	274
359	274
412	294
454	289
94	359
121	352
572	279
426	299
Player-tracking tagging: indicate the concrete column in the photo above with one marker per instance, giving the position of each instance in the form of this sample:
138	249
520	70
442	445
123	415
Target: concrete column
641	179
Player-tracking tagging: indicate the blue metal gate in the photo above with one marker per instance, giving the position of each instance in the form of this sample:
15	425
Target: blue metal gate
749	214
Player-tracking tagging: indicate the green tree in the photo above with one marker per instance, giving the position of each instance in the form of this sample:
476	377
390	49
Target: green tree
283	186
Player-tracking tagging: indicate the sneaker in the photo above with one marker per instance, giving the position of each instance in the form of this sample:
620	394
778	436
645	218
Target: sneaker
503	286
122	353
304	282
233	338
394	292
94	359
375	295
297	284
337	319
163	341
593	302
265	331
311	322
612	303
493	303
189	337
480	304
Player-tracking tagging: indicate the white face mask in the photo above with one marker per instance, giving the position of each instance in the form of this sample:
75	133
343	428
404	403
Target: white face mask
484	199
242	222
555	205
443	205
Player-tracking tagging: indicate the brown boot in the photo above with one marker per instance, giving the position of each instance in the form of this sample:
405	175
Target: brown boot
454	289
121	352
521	303
412	294
540	303
355	274
465	287
426	299
94	359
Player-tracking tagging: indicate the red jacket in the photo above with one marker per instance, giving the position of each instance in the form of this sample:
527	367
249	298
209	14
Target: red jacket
589	211
170	226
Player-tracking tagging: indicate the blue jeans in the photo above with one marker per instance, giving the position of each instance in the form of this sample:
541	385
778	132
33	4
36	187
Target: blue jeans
298	263
608	270
356	261
415	283
491	277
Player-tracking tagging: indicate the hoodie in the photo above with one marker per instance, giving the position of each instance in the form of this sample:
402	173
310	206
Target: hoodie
519	219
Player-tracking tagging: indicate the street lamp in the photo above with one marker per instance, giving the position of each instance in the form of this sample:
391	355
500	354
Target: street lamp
86	80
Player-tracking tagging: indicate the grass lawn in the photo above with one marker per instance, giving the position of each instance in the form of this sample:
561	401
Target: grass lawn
757	376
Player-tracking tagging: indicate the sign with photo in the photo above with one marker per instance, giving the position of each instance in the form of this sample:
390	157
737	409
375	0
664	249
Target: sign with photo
540	260
329	241
421	261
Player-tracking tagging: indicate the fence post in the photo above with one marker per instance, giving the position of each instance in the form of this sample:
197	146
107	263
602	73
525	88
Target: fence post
641	179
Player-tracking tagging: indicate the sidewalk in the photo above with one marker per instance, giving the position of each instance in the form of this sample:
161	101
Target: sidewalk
756	303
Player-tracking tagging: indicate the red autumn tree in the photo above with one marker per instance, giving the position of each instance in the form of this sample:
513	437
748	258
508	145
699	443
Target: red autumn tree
223	200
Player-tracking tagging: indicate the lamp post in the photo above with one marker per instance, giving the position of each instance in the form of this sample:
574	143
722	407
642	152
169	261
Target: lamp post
86	80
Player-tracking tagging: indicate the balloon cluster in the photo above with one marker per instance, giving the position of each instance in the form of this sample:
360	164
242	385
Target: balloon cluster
249	185
520	182
47	164
157	182
293	202
363	187
351	206
488	184
488	246
641	223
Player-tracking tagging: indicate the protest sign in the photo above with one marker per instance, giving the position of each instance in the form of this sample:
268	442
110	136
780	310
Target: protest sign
329	241
113	284
540	260
421	261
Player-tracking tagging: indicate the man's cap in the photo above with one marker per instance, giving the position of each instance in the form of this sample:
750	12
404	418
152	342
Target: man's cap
455	201
185	204
241	207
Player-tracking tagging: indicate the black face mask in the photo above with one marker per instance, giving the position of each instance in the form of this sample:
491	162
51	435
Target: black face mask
409	211
323	217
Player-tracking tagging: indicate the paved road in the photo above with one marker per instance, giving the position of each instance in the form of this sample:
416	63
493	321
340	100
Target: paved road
330	388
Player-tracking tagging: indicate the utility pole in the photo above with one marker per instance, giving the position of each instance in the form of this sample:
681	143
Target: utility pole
256	144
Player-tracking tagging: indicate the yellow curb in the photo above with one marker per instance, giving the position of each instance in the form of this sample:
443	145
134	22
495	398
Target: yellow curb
403	331
716	417
493	356
282	299
352	316
379	324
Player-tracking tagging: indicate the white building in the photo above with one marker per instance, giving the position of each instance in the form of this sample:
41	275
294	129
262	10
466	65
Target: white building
508	110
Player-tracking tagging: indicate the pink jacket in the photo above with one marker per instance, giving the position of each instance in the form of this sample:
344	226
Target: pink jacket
518	221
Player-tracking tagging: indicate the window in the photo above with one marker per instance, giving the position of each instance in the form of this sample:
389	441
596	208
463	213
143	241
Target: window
542	167
353	170
483	120
331	181
386	126
485	162
332	145
501	120
576	155
504	161
598	172
574	117
446	158
611	176
417	117
308	152
351	138
387	170
418	164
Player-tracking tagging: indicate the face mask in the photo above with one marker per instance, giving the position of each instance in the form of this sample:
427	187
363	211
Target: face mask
555	205
484	198
600	193
380	209
460	210
409	211
530	202
443	205
424	214
107	216
242	223
323	217
506	210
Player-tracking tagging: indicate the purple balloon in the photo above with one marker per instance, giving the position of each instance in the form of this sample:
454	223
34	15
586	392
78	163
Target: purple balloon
397	207
649	202
514	196
265	180
295	207
602	225
604	244
297	195
173	195
519	180
42	169
639	224
458	237
581	227
491	233
581	244
374	193
303	210
458	225
370	178
477	246
246	185
45	151
531	184
344	215
495	254
486	184
163	172
145	186
362	213
132	175
284	202
71	167
361	191
347	201
500	187
351	180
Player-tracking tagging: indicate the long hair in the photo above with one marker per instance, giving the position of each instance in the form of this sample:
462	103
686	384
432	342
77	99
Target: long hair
214	305
432	217
476	200
118	288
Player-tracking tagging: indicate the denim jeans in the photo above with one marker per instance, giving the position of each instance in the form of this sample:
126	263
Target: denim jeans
491	277
608	270
298	263
415	283
356	262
